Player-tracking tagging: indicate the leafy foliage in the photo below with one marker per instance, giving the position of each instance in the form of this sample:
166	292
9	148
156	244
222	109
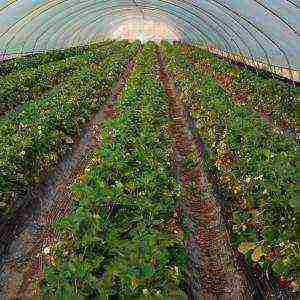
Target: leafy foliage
30	141
29	84
116	243
265	95
256	168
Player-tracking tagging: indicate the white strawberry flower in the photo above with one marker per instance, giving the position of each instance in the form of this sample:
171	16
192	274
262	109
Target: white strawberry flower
145	291
46	250
248	179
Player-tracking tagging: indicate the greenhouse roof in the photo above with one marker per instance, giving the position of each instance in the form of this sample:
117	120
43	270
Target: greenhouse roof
267	31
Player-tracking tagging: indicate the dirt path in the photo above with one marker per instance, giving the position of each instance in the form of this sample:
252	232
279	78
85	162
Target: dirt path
26	246
212	271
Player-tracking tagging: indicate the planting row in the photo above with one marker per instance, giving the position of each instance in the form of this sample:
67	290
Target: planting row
22	63
32	140
249	164
210	262
29	84
265	95
118	241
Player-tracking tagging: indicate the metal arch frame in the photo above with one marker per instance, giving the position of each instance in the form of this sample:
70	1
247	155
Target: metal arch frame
64	1
168	12
277	16
138	7
249	32
21	19
214	18
124	19
78	15
260	31
43	32
168	3
25	16
43	11
94	20
160	9
234	12
293	3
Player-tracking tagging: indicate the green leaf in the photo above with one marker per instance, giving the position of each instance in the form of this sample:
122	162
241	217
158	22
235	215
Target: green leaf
246	246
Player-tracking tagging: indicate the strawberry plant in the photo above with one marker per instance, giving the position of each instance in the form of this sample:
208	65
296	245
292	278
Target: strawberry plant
32	139
116	243
264	95
256	168
34	60
29	84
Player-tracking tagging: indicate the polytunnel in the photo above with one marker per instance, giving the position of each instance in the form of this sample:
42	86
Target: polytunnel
148	149
267	31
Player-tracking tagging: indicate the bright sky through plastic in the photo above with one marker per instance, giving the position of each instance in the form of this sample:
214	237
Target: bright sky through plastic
144	30
268	31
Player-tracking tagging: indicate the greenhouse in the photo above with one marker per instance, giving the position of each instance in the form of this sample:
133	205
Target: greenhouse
148	149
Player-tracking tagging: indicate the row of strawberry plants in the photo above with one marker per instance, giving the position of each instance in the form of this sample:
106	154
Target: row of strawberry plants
22	86
256	169
32	140
22	63
264	95
116	243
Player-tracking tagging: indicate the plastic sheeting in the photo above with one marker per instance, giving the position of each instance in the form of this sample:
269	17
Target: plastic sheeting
267	31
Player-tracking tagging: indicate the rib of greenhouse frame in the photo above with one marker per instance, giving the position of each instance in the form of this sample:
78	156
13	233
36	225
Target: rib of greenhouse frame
122	19
228	48
277	16
138	7
94	20
191	12
177	16
259	30
108	8
221	23
80	10
232	25
236	13
293	3
244	28
213	17
22	28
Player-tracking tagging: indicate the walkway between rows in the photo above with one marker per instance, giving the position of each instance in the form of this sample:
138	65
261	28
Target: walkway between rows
29	235
212	271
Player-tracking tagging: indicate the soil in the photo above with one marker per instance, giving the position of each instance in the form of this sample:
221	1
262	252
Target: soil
213	273
27	236
241	97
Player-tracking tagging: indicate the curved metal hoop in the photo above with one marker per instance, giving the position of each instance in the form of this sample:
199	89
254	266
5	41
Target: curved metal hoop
196	22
